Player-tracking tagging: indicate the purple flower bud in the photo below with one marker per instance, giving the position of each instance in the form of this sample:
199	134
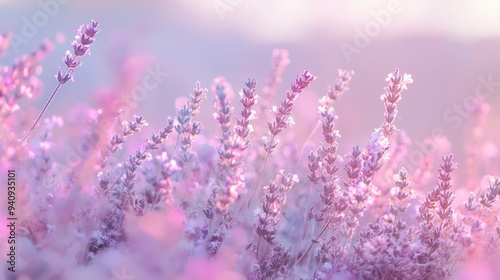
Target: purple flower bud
86	40
63	78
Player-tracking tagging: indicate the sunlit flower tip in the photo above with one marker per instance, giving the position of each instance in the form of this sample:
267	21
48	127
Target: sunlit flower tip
63	78
290	121
253	115
92	29
413	193
407	80
345	74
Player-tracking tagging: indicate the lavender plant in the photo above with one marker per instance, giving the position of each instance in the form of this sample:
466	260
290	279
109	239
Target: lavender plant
171	209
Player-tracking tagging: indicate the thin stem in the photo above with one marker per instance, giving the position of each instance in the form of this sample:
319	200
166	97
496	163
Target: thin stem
304	146
44	108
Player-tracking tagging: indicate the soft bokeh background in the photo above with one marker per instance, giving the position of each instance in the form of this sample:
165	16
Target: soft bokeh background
445	45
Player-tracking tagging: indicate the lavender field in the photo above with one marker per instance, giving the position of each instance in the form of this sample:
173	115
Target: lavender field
232	139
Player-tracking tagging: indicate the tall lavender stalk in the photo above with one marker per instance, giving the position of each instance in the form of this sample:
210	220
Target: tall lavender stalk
335	92
81	46
391	96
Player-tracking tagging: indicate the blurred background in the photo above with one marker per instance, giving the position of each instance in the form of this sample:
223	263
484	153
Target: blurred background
449	47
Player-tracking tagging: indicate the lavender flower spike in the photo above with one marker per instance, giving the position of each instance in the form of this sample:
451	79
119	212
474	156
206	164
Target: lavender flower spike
285	110
392	95
81	45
